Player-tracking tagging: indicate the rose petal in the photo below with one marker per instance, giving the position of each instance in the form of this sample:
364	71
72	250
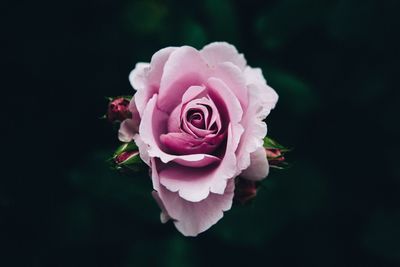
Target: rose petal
149	85
219	52
127	130
184	68
186	144
157	64
192	218
223	97
234	79
191	184
196	184
193	92
143	149
137	77
153	125
255	131
266	95
205	161
174	120
262	99
200	132
259	167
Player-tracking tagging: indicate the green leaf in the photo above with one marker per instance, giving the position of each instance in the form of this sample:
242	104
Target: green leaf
272	144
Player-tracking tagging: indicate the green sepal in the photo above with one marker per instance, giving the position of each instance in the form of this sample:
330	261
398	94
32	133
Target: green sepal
133	159
269	143
277	162
125	147
282	165
133	162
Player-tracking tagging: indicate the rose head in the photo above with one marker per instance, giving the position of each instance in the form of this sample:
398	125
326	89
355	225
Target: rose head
199	124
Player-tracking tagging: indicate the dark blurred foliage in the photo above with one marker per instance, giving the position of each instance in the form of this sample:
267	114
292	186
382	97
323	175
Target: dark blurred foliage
335	66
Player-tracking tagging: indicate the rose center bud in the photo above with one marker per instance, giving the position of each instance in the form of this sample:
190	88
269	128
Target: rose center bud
200	129
197	119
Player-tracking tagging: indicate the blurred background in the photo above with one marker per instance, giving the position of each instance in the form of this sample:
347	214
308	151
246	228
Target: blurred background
335	66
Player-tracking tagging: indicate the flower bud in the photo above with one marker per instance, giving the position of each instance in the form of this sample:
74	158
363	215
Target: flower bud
122	158
127	157
118	109
275	153
245	190
274	156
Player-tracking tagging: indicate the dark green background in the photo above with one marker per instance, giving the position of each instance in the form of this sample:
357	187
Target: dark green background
335	66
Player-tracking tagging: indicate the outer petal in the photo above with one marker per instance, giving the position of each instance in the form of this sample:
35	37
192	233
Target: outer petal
234	78
157	64
191	184
192	218
127	130
151	126
262	99
259	167
255	130
184	68
196	184
256	82
137	77
143	149
146	80
135	113
219	52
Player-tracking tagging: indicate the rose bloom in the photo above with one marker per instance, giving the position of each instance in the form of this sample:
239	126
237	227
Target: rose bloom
197	118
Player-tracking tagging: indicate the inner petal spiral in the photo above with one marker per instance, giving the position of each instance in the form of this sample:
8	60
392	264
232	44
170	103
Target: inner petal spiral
200	118
199	130
196	119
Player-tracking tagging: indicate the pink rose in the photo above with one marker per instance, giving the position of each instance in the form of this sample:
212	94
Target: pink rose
198	122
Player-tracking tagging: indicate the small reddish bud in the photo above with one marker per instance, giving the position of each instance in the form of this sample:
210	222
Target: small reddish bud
118	109
245	190
274	156
127	157
124	156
